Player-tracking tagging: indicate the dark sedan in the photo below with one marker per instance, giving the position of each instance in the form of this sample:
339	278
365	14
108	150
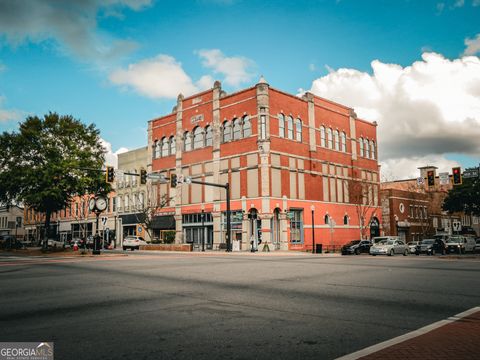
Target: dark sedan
356	247
431	247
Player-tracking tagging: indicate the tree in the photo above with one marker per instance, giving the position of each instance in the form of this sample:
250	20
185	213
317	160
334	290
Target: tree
364	195
148	205
464	198
43	164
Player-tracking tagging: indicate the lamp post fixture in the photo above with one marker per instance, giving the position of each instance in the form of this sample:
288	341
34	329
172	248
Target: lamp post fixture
203	230
313	228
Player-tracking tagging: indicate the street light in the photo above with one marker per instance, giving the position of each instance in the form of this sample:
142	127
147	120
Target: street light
203	229
313	228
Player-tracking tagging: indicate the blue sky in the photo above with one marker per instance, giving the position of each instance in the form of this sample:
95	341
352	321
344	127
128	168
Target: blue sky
120	63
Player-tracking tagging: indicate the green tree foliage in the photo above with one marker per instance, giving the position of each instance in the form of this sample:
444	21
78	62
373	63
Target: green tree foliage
465	197
41	164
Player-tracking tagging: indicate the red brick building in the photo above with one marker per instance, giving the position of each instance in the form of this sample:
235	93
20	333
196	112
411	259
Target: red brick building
288	160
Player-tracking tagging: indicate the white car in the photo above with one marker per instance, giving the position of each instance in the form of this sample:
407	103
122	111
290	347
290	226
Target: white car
133	242
56	244
389	247
412	246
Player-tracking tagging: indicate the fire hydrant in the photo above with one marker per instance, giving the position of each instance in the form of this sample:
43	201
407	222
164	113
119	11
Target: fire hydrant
75	247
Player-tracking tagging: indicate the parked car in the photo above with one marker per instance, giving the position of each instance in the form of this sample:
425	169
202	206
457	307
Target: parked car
431	247
389	247
460	244
378	239
133	242
412	246
54	243
356	247
477	245
10	242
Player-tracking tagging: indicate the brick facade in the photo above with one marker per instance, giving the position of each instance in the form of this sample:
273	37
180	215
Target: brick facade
283	157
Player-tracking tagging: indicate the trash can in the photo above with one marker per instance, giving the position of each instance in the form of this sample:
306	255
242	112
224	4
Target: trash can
318	248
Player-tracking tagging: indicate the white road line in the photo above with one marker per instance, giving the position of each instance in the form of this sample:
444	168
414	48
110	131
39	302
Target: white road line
374	348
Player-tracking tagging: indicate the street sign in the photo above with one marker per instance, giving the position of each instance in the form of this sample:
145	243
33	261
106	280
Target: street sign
104	220
470	173
187	180
444	178
180	179
457	226
420	180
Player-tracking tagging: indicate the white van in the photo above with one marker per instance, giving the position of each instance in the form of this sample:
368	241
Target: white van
460	244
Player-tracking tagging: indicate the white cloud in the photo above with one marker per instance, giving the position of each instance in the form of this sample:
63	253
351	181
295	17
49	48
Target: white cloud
72	24
9	114
111	157
159	77
236	69
427	109
473	45
407	168
458	3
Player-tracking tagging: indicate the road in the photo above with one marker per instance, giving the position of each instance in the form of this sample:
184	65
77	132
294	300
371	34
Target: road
234	306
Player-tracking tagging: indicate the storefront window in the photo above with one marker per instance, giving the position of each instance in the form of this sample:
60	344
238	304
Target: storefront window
296	226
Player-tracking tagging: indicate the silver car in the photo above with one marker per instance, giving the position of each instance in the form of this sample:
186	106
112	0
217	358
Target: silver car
389	247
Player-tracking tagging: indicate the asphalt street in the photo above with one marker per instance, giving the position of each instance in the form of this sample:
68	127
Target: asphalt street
233	306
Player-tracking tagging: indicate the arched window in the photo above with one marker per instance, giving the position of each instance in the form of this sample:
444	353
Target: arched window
237	129
372	149
290	127
208	136
330	138
345	220
343	141
227	131
173	148
327	219
157	149
187	141
360	142
197	137
281	125
322	136
126	203
165	147
367	148
298	130
247	126
337	140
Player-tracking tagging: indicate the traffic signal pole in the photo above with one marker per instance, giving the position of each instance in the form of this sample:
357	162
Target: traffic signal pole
228	241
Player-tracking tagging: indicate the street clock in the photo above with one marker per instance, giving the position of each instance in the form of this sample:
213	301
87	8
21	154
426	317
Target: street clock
100	203
91	204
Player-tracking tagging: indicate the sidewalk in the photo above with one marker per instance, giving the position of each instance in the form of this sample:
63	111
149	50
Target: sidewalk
457	338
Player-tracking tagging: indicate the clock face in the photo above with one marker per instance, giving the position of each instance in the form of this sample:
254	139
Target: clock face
91	204
101	203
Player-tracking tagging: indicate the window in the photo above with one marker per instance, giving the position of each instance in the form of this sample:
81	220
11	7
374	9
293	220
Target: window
367	149
208	136
345	220
125	202
329	138
173	148
290	127
227	132
360	142
263	127
237	129
157	148
114	204
247	126
281	125
327	219
165	147
372	149
187	141
343	141
298	130
337	140
197	137
322	136
296	227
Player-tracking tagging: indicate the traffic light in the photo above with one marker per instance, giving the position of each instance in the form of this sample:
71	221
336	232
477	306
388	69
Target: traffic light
173	180
143	177
457	175
110	175
431	178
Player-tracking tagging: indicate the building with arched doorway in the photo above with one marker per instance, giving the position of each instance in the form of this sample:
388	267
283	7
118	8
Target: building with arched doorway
297	167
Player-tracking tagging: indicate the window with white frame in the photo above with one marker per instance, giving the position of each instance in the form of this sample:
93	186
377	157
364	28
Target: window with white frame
208	136
322	136
367	148
263	127
360	143
337	140
237	129
281	125
290	127
372	149
330	138
173	148
165	147
247	126
187	141
298	130
343	141
197	137
226	131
